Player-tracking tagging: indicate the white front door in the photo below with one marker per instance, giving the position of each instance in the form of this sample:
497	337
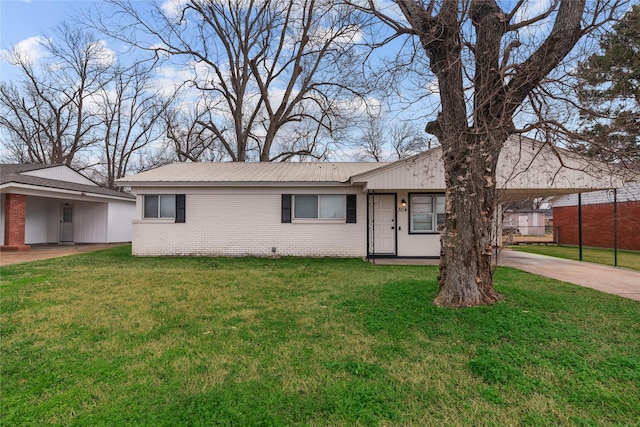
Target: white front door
65	234
382	224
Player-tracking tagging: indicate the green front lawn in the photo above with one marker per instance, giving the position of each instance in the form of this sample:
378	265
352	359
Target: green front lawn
108	339
626	259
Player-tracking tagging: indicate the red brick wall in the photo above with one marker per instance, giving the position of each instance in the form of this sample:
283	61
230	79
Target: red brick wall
15	208
597	225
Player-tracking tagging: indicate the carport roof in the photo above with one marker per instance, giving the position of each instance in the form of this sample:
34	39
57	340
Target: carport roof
12	175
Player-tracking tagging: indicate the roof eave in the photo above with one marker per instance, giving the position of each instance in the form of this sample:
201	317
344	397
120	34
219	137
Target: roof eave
133	184
87	193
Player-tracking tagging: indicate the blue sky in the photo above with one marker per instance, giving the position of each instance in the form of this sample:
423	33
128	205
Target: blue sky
22	19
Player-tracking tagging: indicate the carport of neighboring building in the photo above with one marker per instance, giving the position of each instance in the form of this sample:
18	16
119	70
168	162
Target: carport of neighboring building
44	204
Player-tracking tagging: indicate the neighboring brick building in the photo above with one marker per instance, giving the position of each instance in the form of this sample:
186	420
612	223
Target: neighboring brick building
598	218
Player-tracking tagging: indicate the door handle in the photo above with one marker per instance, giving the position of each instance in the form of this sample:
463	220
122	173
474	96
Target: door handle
393	228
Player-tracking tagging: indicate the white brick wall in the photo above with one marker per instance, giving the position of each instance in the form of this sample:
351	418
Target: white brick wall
246	221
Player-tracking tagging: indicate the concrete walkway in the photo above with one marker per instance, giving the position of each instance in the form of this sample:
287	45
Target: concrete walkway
613	280
39	252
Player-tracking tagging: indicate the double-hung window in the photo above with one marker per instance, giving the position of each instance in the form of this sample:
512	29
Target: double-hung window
164	207
426	212
319	207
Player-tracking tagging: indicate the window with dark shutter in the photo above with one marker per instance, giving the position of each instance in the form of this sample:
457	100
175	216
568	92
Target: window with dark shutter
351	208
286	208
180	208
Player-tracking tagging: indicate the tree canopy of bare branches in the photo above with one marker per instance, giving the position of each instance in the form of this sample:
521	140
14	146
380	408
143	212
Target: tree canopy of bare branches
383	141
81	107
130	109
260	71
45	114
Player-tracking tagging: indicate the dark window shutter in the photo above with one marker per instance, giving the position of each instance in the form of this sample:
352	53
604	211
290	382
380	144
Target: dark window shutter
180	208
286	208
351	208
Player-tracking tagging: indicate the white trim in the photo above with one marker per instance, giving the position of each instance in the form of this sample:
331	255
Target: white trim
133	185
154	221
318	220
41	191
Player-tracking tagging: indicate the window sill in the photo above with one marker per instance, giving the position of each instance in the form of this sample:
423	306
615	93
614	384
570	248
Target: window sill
318	221
155	221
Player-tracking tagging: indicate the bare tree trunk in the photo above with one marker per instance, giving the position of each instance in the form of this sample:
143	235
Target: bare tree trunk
466	277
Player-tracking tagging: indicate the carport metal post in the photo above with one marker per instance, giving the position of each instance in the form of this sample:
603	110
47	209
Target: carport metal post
580	225
615	227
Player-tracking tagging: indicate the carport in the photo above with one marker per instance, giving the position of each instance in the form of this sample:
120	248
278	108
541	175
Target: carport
54	204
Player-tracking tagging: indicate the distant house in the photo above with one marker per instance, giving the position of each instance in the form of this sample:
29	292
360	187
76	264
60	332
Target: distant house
525	222
328	209
598	218
45	204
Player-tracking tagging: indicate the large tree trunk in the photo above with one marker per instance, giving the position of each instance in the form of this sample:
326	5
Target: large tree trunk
466	277
472	132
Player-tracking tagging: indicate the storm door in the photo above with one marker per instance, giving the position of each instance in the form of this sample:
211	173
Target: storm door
382	224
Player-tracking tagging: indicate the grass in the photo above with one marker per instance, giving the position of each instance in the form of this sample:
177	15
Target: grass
108	339
626	259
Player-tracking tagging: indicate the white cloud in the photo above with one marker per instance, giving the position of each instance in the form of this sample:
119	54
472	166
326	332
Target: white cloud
169	78
104	55
173	8
28	50
349	35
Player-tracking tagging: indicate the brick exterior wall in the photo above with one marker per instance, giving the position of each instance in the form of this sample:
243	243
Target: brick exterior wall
248	222
14	222
597	225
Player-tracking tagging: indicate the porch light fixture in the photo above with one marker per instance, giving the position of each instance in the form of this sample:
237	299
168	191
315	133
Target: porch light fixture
403	202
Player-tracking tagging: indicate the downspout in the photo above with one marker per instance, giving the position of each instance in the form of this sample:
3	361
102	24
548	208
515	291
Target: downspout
373	225
368	205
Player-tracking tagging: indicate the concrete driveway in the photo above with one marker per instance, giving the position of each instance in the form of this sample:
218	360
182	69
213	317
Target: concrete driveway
39	252
613	280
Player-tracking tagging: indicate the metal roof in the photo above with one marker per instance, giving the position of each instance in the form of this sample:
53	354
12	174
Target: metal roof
237	172
14	174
